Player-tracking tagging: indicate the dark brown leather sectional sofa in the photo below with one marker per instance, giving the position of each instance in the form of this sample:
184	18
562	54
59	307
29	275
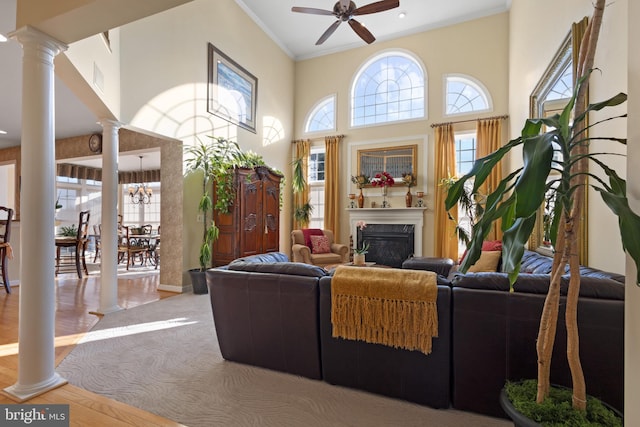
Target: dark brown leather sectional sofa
275	314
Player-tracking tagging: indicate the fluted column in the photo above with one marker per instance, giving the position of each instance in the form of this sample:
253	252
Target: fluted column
36	347
109	234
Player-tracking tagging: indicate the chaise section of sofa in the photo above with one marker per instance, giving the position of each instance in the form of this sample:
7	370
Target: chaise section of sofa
403	374
265	311
494	334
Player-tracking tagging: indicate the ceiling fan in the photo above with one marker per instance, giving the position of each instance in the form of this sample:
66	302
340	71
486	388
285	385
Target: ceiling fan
345	10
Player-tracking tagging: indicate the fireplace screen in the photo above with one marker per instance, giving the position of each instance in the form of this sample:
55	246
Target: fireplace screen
389	244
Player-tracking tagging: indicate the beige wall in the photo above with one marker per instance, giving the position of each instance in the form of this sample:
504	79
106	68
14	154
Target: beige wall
477	48
530	53
164	77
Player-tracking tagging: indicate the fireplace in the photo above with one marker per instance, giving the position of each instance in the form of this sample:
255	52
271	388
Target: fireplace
405	230
389	244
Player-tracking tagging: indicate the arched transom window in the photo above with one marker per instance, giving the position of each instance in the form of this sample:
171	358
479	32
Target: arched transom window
388	88
465	95
322	116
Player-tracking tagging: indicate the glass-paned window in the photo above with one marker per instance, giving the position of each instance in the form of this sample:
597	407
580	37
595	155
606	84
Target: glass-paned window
316	186
76	195
388	88
465	152
465	96
322	116
563	87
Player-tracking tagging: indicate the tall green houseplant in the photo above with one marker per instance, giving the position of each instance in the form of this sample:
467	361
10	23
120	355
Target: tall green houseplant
518	197
211	160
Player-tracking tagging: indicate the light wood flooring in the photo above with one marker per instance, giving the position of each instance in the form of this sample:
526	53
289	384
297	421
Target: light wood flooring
75	299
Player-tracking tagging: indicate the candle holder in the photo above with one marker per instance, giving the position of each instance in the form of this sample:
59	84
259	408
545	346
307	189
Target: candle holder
352	197
420	195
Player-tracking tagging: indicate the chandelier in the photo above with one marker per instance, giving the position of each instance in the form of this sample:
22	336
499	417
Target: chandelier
141	193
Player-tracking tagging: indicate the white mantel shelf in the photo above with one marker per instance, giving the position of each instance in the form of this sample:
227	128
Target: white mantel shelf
412	216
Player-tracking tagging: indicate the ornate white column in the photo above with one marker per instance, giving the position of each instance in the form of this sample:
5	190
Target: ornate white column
36	347
109	234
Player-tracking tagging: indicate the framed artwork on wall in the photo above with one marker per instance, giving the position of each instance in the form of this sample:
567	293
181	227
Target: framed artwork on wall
231	90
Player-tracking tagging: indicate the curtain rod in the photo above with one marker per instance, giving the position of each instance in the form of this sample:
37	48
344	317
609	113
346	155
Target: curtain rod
503	117
317	138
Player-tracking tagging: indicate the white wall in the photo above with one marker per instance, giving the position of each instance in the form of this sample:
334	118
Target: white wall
478	48
164	79
537	29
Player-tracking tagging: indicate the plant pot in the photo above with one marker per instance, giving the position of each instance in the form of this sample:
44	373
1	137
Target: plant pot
198	281
521	420
408	198
358	259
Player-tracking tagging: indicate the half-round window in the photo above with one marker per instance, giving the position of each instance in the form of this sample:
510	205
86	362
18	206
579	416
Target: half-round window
388	88
466	95
322	116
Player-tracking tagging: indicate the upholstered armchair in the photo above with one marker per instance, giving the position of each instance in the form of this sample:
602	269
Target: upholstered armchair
315	246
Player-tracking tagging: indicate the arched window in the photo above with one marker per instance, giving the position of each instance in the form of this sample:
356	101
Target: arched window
563	88
465	95
388	88
322	116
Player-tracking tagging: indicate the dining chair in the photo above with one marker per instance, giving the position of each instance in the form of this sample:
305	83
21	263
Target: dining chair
75	248
97	235
6	216
130	246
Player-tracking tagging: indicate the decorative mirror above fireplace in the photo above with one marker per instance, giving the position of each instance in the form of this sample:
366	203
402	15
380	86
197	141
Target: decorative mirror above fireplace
395	160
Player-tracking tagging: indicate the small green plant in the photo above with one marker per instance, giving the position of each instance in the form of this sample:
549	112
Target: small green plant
69	231
362	250
556	409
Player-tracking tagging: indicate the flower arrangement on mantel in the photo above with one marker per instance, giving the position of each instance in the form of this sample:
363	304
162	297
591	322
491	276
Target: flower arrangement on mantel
383	179
409	179
360	180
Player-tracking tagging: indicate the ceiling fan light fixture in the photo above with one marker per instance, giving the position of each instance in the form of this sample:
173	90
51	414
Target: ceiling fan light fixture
402	15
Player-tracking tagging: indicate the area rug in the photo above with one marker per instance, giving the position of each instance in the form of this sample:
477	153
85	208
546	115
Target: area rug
163	357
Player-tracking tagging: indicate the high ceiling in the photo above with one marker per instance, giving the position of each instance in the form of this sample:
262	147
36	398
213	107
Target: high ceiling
296	33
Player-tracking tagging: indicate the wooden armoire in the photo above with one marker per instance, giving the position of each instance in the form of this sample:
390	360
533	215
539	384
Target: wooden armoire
252	225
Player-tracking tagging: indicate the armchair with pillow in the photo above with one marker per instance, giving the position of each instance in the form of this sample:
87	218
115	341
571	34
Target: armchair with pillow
315	246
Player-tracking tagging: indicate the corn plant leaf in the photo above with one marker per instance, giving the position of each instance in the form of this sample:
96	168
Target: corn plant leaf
537	153
513	242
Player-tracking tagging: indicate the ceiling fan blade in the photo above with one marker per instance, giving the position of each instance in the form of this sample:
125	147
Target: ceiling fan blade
378	6
362	31
312	10
327	33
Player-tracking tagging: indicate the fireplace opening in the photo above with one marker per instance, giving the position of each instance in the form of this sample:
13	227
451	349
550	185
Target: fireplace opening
389	244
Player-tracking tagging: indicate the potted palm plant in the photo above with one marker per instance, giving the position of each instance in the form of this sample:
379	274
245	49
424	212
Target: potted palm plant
208	159
518	197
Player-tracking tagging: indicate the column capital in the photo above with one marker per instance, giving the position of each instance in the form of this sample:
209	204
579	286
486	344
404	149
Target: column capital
110	124
29	36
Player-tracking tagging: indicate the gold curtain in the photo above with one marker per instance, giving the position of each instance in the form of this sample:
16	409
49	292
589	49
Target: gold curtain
302	151
331	187
446	241
489	139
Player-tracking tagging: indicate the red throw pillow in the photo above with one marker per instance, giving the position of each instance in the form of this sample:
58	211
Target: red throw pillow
308	232
320	245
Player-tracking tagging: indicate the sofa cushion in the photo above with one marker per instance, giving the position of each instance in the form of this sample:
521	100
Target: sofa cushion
288	268
488	261
308	232
590	287
268	257
320	245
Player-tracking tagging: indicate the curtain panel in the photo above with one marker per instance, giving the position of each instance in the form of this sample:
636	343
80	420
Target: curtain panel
446	240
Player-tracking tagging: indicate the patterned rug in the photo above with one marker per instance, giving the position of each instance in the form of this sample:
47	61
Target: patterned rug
163	357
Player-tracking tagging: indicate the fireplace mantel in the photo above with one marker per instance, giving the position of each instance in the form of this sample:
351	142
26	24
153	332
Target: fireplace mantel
413	216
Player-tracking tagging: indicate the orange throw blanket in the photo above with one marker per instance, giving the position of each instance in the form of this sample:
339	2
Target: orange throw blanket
386	306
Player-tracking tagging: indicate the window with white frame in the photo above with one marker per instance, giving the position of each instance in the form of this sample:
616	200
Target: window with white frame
74	196
465	95
388	88
316	186
322	116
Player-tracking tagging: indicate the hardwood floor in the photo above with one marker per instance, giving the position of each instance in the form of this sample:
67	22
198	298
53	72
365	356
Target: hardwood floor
75	300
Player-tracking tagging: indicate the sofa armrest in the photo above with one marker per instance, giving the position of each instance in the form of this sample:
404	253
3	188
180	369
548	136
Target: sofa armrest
301	253
343	250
